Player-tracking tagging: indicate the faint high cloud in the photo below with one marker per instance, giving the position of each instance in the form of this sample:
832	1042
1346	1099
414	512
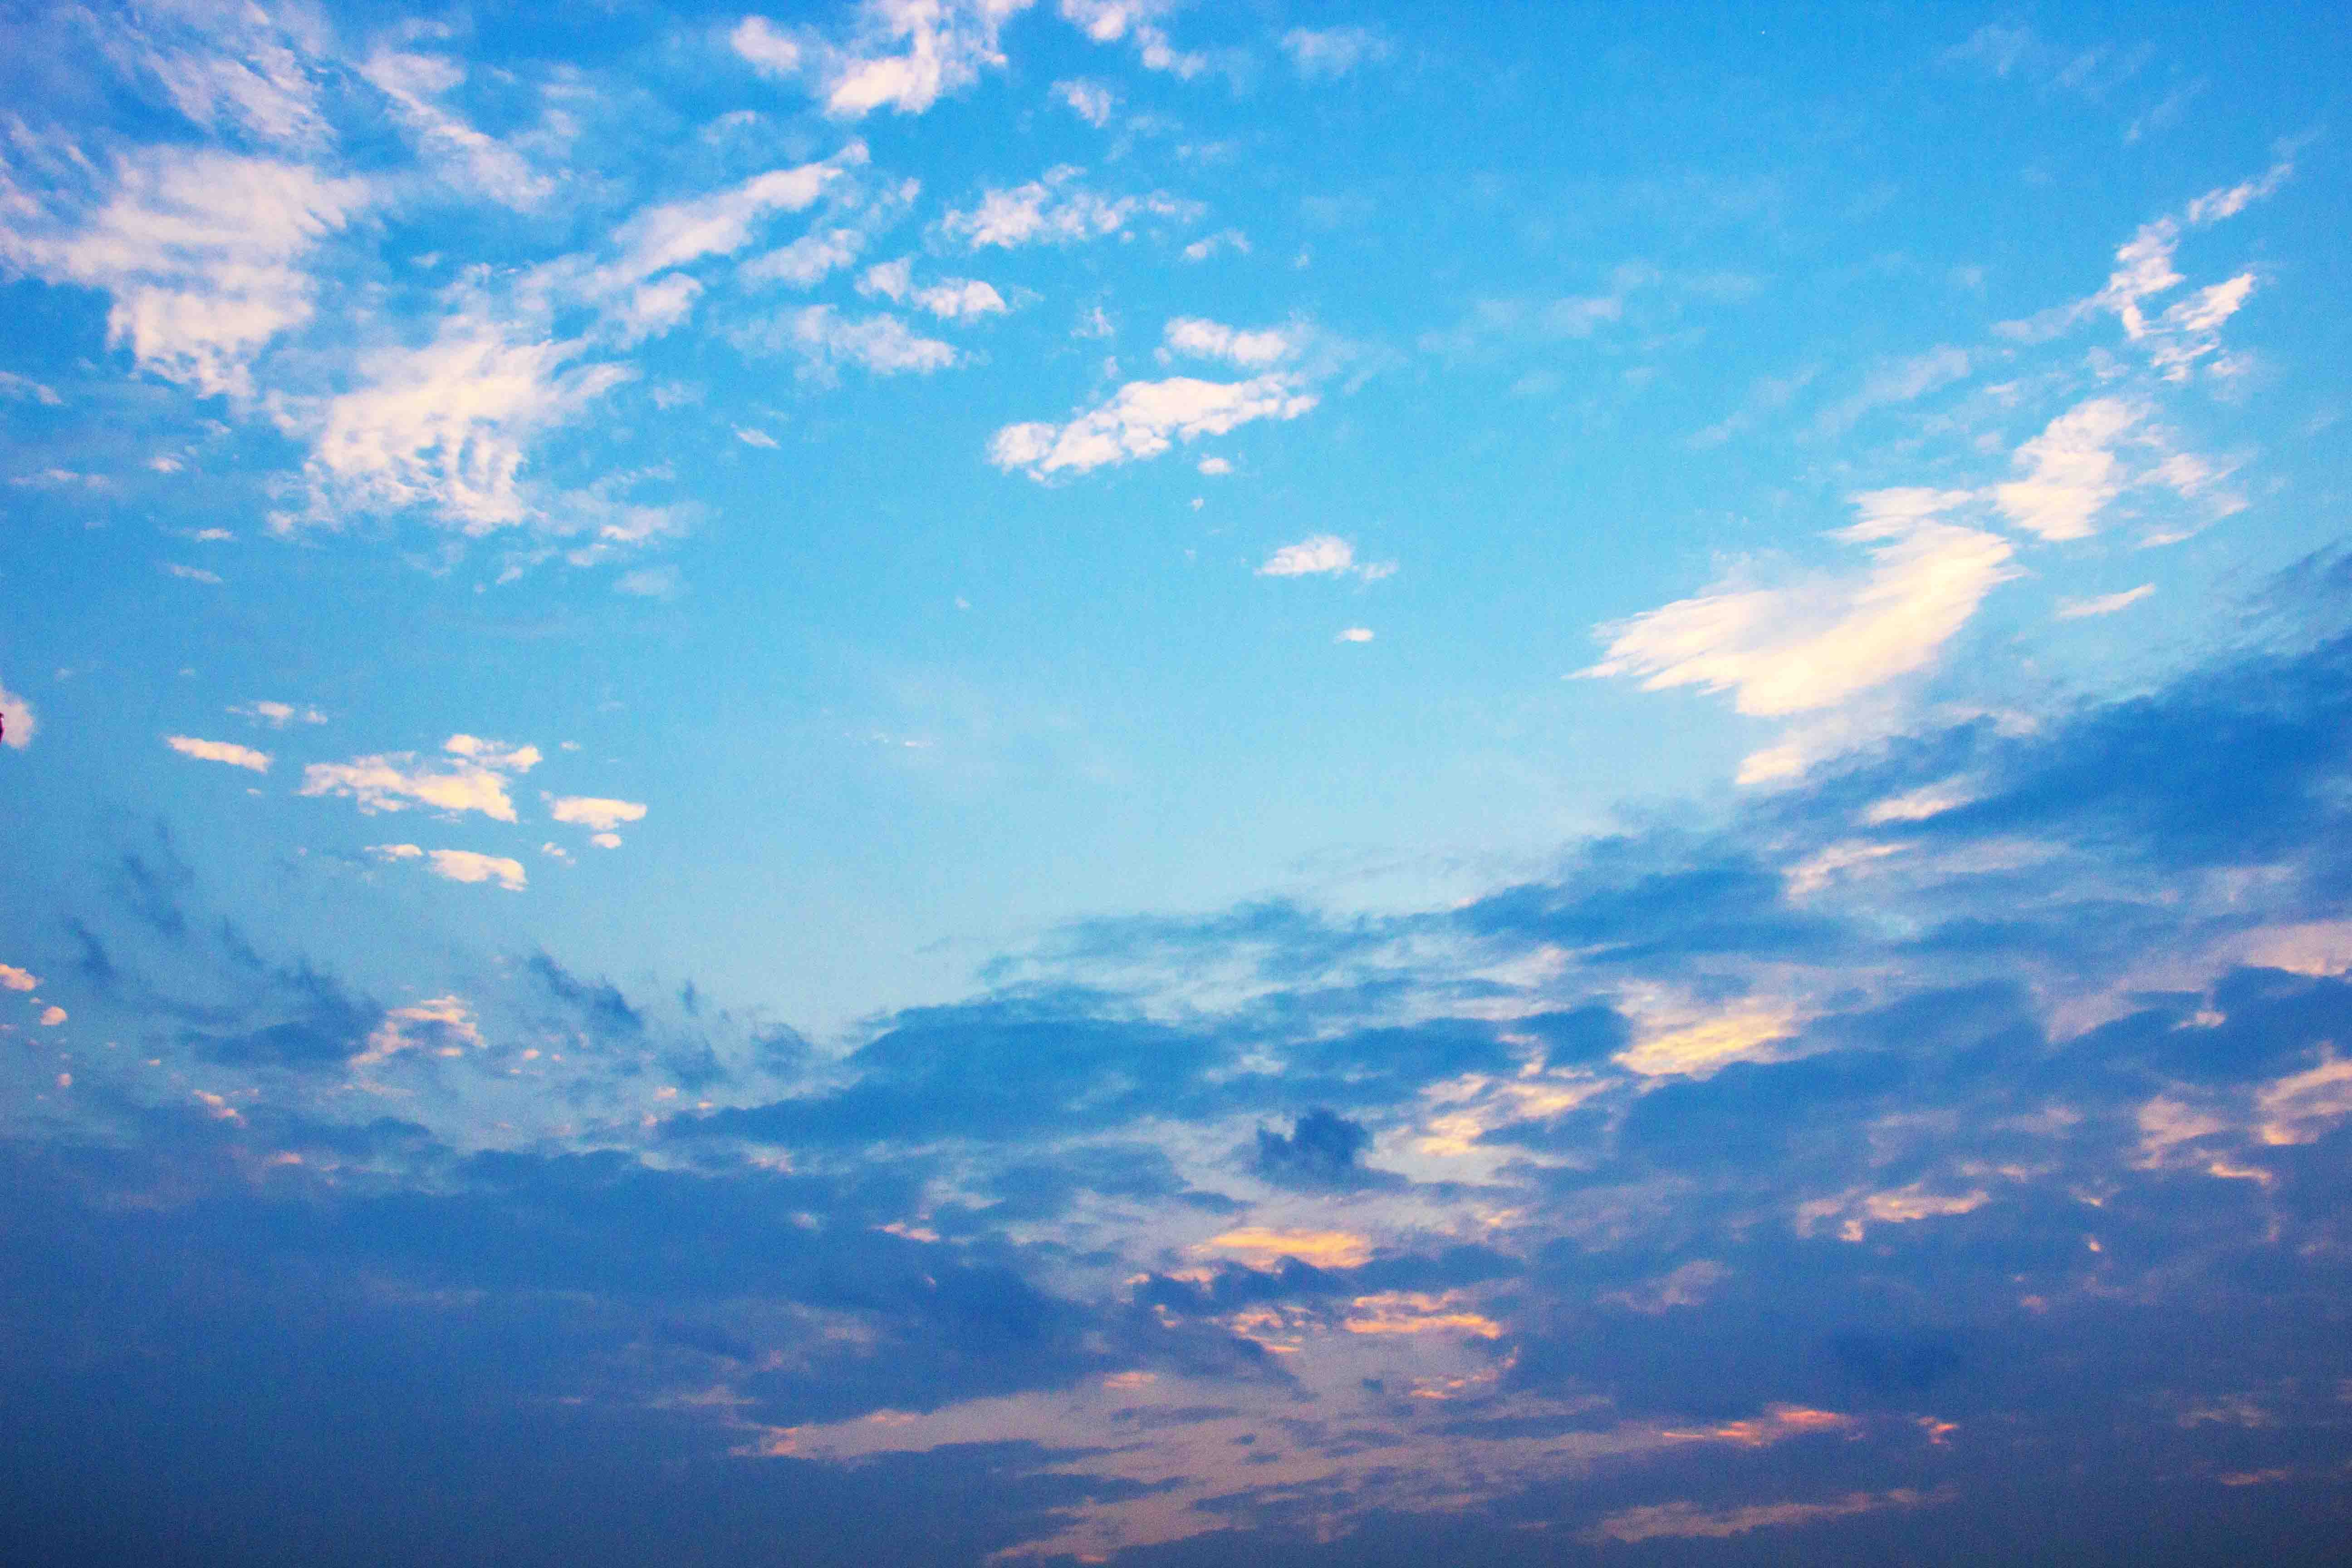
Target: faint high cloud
825	339
1143	418
1815	643
202	252
227	751
2104	604
723	222
1686	1521
806	261
1327	53
474	779
1225	239
278	715
900	54
467	157
1903	381
1055	209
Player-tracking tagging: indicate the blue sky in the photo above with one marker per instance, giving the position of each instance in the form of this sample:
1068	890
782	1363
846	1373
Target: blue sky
1102	779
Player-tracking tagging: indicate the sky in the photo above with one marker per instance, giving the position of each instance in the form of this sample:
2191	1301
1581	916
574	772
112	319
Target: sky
950	781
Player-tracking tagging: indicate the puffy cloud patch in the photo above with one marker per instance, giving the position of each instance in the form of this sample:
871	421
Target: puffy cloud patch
1200	338
589	811
475	780
949	299
824	339
900	54
2073	471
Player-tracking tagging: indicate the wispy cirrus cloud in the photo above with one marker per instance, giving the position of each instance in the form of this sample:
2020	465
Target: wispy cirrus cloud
900	54
1055	209
1143	418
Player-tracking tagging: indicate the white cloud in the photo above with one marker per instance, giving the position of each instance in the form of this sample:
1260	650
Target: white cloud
191	574
51	1016
2073	471
951	298
444	1023
447	426
389	852
24	386
1901	381
1321	54
1355	634
1207	245
1816	644
1141	419
467	866
470	159
754	438
199	250
650	582
276	715
605	840
1323	553
1054	209
723	222
476	780
1108	21
17	719
15	979
1203	339
825	337
807	260
227	751
589	811
225	68
902	54
2105	604
1216	467
1090	100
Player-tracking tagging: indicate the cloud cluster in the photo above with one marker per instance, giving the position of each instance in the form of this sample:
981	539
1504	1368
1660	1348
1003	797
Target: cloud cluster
1141	420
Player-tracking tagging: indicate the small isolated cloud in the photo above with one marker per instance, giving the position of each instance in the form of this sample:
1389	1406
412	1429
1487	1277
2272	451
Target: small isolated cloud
2072	470
1091	102
1209	245
605	840
1322	553
1216	467
1141	419
1813	645
752	437
191	574
442	1026
721	221
15	979
825	339
1055	209
1203	339
592	811
227	751
16	720
1355	634
51	1016
1322	54
467	866
951	298
456	865
278	715
2105	604
474	780
650	582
